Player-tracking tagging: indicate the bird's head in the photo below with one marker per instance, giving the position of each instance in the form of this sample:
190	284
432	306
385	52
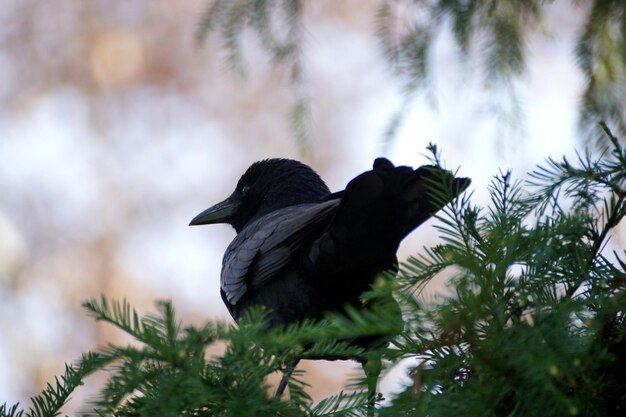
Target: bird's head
266	186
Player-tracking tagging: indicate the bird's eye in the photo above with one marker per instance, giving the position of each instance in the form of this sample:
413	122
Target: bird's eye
245	190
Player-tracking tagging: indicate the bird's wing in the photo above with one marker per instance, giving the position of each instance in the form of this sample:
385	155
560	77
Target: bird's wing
262	248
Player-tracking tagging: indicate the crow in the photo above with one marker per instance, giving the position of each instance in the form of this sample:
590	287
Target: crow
302	251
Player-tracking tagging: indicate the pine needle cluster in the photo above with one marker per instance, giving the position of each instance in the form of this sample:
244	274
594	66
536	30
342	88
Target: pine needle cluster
534	323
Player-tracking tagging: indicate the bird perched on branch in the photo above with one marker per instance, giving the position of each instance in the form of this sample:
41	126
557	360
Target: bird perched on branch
302	251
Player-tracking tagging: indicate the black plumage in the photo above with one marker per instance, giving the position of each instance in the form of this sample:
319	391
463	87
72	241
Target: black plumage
301	251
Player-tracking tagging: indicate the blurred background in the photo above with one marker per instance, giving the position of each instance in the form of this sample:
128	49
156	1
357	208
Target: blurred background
117	127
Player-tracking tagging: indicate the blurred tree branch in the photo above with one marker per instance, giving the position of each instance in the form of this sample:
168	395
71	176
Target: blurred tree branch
494	31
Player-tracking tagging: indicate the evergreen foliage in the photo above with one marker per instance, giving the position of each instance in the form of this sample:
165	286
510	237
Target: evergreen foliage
534	325
493	31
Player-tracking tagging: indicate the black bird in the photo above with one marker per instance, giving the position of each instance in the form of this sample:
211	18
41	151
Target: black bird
302	251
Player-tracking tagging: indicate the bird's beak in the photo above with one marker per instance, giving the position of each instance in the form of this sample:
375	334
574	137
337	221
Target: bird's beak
219	213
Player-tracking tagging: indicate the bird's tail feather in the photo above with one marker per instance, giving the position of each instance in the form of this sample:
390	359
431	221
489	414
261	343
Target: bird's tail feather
378	209
392	201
